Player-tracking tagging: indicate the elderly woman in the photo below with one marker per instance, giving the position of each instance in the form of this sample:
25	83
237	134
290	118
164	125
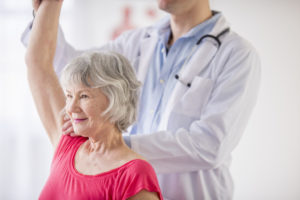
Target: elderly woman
100	99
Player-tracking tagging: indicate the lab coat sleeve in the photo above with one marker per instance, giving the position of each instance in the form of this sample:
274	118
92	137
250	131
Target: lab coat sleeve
208	142
65	52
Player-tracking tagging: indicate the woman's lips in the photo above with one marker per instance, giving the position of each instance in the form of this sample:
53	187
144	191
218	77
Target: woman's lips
76	121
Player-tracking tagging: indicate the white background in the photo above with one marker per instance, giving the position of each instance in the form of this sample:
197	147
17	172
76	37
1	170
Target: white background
267	161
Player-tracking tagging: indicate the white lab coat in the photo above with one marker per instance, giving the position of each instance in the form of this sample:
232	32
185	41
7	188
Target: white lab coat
202	124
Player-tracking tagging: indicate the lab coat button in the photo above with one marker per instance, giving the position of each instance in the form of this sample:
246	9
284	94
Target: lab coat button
161	81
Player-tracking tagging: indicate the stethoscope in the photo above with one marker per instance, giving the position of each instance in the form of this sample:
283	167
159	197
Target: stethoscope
215	38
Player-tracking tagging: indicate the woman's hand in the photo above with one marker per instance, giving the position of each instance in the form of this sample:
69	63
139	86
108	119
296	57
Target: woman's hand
36	4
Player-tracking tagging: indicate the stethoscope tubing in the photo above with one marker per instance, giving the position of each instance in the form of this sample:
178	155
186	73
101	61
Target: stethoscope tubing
216	38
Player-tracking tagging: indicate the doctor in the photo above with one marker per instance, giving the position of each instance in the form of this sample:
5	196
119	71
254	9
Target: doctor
200	84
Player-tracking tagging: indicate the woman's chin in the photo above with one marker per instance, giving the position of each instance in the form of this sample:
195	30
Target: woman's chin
80	133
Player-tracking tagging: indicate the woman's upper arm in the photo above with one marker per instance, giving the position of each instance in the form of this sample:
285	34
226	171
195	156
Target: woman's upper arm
49	100
145	195
45	88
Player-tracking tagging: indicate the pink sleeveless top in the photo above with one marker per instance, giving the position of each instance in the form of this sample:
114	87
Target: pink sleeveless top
65	182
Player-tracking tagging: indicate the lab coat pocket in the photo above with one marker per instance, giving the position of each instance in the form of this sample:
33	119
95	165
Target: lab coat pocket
195	98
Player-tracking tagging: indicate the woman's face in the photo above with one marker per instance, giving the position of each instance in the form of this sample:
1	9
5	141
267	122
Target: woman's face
85	105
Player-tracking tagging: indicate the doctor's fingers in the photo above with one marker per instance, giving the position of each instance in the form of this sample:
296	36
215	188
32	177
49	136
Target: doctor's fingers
63	117
66	125
67	128
69	131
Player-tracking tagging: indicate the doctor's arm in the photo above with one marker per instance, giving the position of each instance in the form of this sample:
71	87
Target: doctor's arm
44	85
209	140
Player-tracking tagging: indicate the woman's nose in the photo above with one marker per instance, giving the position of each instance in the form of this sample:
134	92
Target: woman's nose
72	106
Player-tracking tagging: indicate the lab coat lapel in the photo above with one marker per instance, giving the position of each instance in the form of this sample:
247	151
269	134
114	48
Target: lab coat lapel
146	53
204	54
198	62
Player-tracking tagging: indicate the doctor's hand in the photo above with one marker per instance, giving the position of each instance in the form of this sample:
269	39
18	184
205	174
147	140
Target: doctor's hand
66	124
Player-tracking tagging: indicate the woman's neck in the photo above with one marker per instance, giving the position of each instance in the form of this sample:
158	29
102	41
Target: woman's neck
105	142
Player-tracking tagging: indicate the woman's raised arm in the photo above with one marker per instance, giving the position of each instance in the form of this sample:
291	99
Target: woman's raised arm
45	87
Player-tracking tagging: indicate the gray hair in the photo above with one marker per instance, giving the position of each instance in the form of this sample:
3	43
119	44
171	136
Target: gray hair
113	74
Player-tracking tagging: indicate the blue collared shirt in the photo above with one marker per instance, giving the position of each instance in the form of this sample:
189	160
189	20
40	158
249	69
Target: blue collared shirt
165	64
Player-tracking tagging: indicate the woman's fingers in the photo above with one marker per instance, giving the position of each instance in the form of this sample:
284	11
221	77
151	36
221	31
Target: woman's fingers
36	4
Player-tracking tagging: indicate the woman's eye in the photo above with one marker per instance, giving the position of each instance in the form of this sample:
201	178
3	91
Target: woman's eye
83	96
69	96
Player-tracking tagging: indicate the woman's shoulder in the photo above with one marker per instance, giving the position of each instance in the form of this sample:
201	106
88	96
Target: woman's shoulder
139	165
134	163
138	175
69	140
66	141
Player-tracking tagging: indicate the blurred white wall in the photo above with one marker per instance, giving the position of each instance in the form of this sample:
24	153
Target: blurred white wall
267	161
265	164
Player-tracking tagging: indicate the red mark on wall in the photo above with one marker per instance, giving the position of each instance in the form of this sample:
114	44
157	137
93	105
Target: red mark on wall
151	12
125	24
126	19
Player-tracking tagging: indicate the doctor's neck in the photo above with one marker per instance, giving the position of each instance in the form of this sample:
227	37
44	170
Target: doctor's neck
182	23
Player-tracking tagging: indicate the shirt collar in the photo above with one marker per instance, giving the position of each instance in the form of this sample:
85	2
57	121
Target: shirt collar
162	28
204	27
